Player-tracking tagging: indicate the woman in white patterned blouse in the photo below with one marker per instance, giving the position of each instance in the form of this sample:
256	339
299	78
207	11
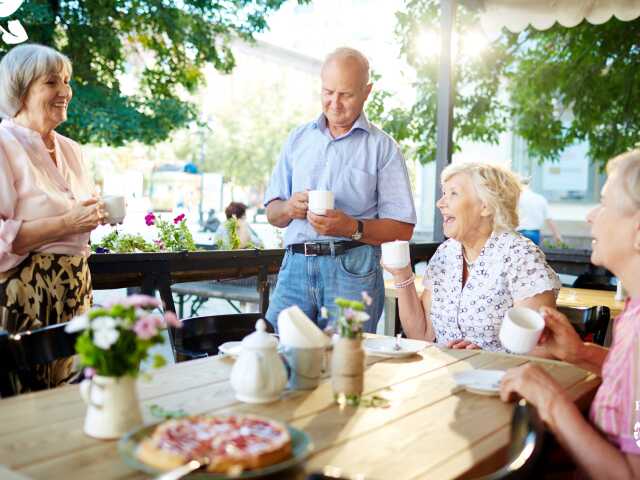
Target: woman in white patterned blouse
482	270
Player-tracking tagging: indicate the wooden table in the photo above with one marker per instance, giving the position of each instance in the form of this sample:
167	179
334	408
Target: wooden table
568	297
429	430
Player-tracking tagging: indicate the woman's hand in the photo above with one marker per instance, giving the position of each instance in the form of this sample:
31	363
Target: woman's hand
534	385
462	344
559	339
399	274
85	216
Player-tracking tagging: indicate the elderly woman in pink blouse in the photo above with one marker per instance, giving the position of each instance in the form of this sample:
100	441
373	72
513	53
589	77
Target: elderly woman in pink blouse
482	270
47	202
608	445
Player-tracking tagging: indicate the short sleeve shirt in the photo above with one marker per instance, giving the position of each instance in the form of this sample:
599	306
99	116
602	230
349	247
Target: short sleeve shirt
509	268
364	169
616	407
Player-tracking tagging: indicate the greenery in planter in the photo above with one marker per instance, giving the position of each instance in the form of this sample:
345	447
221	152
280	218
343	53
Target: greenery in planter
117	242
232	242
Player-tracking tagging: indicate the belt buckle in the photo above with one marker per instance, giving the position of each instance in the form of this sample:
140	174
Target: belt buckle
309	244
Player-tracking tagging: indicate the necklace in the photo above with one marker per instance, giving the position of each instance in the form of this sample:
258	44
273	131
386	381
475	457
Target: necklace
53	150
469	264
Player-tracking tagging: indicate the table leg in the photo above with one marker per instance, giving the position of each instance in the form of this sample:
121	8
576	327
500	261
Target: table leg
390	304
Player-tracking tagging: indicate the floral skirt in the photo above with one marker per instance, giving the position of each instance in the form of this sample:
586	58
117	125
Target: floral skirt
45	289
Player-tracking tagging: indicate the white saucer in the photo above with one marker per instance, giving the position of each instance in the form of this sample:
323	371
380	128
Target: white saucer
231	348
482	382
384	347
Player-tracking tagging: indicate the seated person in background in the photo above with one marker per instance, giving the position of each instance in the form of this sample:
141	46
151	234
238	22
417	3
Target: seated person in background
244	236
608	445
484	268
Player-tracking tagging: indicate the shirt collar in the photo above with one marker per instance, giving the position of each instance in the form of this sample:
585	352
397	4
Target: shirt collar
361	123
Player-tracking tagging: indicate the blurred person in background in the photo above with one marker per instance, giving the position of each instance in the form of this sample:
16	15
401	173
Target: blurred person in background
48	203
248	238
533	210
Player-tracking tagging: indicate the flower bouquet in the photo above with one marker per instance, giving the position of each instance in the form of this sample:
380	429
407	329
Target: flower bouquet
114	341
347	363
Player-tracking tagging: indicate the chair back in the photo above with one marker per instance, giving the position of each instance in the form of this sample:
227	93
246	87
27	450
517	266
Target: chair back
43	345
591	323
525	445
201	336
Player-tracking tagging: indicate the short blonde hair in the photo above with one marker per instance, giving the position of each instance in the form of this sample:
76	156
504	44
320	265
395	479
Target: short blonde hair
497	187
626	167
20	67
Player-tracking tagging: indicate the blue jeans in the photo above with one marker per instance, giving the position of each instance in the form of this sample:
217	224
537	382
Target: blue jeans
315	282
533	235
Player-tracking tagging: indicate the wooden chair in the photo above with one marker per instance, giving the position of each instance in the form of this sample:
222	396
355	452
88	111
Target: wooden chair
525	447
24	350
201	336
591	323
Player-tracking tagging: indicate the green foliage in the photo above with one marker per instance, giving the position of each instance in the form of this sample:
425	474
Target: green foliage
123	243
232	242
165	414
554	87
164	45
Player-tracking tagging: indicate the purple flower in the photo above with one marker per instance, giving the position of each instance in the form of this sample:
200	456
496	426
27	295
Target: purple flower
349	313
150	218
178	219
366	298
146	327
89	372
159	244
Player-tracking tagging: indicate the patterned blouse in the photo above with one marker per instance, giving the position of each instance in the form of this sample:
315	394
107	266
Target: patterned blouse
616	408
509	268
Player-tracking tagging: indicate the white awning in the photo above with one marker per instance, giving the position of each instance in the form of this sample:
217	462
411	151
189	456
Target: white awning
516	15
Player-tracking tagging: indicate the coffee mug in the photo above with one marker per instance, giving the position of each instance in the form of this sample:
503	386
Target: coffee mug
320	201
396	254
521	329
304	365
115	207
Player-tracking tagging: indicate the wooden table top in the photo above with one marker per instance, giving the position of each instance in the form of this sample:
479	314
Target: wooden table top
568	297
429	430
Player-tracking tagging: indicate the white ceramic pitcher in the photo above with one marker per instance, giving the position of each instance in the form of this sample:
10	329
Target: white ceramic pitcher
112	406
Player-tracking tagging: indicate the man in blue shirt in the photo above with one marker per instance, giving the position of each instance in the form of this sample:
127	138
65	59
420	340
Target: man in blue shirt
337	254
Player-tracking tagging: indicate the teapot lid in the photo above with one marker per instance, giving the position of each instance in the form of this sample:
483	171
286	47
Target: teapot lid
260	339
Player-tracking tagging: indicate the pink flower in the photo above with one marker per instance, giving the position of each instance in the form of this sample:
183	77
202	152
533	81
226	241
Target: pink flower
171	320
139	301
178	219
159	244
366	298
89	372
150	218
349	313
146	327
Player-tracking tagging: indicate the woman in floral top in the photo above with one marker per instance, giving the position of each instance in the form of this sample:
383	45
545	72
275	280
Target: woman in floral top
608	444
484	269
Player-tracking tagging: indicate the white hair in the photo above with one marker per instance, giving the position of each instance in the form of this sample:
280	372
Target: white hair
627	168
344	53
20	67
498	188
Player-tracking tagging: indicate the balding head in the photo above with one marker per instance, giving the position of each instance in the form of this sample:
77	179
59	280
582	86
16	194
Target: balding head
349	59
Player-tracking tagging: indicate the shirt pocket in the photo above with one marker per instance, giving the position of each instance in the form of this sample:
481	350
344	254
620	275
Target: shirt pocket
357	191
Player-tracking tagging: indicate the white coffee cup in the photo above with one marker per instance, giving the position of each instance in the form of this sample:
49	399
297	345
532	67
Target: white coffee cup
396	254
115	207
521	329
320	201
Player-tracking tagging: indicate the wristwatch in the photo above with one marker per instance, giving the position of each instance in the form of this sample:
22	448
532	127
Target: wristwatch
358	233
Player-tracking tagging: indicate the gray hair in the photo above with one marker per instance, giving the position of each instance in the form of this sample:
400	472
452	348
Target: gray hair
498	188
344	53
626	168
20	67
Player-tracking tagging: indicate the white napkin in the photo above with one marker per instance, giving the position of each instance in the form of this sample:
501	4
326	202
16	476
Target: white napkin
297	330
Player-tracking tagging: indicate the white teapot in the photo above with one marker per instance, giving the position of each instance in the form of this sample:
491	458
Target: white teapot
259	374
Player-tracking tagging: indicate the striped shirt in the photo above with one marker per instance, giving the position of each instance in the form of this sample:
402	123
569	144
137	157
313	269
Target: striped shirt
616	407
